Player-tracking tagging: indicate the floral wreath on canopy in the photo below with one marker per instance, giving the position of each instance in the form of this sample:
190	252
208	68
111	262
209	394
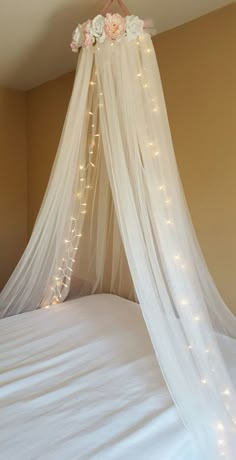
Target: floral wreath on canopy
111	26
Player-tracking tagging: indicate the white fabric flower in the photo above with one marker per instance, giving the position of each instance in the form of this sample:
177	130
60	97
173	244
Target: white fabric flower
77	35
134	27
97	28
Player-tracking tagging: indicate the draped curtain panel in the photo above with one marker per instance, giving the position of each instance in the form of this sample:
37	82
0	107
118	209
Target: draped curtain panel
114	219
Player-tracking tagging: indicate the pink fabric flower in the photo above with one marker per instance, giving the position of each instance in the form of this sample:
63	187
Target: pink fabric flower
74	46
86	26
88	41
114	26
87	37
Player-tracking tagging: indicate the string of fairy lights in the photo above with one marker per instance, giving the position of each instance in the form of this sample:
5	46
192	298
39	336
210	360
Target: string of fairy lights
182	265
62	279
65	269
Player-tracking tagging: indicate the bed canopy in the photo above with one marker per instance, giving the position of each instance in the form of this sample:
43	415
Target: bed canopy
114	219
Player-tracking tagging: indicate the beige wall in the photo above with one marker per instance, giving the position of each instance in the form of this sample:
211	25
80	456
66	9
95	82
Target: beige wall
46	109
13	180
198	71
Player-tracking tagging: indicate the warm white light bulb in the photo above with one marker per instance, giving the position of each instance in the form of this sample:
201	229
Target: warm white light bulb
177	257
226	392
220	426
184	302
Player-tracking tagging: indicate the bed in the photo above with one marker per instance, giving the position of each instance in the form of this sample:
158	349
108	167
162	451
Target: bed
81	381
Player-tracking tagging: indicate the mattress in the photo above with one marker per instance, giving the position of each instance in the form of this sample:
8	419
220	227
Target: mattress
81	381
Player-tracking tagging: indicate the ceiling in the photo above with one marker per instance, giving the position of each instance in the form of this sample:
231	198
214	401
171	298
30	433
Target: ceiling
35	34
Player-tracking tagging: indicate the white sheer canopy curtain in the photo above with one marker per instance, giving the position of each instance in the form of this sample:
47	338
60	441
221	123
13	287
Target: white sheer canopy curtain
176	293
116	136
30	282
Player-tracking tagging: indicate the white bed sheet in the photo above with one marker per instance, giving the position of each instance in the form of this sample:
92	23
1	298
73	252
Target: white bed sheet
80	381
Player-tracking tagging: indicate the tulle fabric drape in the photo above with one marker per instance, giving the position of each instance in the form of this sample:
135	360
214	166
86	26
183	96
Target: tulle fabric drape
170	278
114	219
